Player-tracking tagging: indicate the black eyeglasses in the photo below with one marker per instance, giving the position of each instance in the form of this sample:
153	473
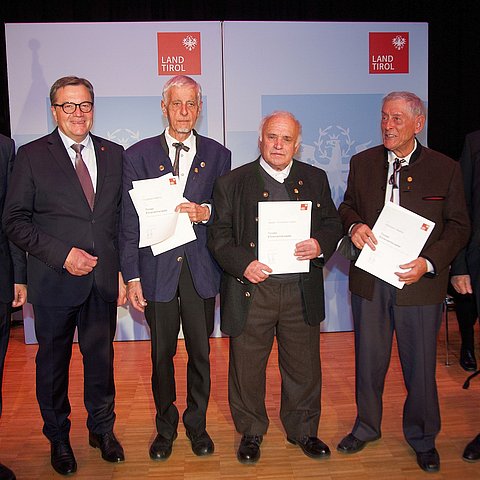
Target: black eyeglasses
70	107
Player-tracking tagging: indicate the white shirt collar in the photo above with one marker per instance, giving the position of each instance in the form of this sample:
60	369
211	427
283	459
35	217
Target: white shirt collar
188	142
279	176
404	160
68	142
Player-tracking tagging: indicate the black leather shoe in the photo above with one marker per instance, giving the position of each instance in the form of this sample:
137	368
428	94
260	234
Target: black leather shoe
62	458
467	360
161	447
110	447
351	444
249	448
429	461
6	473
202	444
312	447
472	450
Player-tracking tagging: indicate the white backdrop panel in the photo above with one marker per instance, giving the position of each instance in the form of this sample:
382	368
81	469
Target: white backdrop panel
320	73
121	61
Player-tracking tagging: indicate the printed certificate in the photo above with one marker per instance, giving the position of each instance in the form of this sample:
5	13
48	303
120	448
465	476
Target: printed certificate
281	225
401	235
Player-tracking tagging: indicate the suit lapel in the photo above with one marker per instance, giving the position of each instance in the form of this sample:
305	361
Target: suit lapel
165	165
57	149
101	156
197	162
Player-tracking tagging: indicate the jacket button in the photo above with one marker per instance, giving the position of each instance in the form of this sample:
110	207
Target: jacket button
247	294
179	259
252	244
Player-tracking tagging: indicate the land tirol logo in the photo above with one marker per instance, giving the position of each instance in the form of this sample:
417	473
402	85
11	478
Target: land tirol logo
179	53
388	52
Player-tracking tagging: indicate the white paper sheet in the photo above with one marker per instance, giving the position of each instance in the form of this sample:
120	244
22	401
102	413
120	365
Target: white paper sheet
401	235
281	225
155	200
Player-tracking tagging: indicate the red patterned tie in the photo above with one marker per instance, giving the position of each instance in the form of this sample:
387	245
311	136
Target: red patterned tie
83	175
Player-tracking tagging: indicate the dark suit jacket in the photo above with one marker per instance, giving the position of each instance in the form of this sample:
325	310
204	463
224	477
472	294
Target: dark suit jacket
10	271
159	274
46	214
467	261
233	237
431	186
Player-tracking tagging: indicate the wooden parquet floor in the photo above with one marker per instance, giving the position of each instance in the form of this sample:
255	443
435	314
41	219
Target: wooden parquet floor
27	452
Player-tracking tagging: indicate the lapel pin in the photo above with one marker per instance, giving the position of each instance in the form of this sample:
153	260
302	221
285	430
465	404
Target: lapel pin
265	194
202	164
300	182
161	168
195	170
409	179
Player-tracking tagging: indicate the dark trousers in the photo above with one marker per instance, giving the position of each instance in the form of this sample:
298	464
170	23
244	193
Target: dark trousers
55	328
276	309
466	312
5	320
416	329
197	318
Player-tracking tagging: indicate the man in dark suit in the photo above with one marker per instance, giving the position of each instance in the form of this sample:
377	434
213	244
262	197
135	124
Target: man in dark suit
62	208
179	284
466	267
256	305
13	275
429	184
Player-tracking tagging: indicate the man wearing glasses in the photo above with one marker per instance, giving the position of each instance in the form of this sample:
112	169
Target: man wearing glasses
63	207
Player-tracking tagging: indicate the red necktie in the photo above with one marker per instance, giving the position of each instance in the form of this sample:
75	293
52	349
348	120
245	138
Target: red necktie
83	175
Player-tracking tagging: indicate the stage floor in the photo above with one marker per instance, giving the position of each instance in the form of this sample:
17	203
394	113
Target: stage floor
24	449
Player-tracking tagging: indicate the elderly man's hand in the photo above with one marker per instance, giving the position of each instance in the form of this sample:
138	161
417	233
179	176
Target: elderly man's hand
196	213
135	295
257	272
308	249
417	269
362	235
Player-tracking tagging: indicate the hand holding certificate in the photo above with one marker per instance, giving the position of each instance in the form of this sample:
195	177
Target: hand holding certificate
401	235
281	225
161	227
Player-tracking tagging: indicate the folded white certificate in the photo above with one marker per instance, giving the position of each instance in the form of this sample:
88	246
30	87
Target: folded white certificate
155	200
281	225
401	235
183	234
